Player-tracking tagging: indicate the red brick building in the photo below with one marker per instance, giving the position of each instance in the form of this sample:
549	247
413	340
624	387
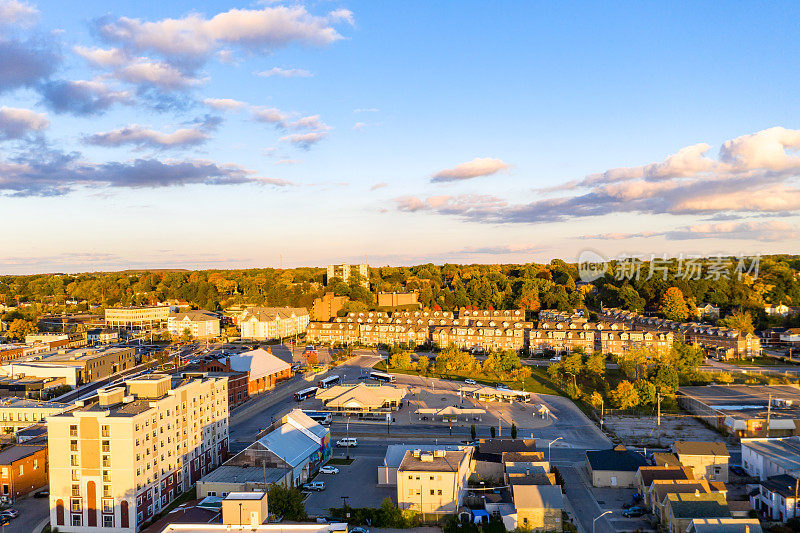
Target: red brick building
237	380
23	470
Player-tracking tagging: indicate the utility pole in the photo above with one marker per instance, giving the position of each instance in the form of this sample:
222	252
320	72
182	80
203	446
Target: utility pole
769	412
659	408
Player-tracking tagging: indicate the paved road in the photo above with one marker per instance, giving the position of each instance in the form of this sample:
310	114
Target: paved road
32	511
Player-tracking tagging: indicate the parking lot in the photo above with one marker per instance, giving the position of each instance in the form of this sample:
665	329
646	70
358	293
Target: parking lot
357	481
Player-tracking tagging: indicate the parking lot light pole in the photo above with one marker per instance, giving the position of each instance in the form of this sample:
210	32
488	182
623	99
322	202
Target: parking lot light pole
598	518
548	448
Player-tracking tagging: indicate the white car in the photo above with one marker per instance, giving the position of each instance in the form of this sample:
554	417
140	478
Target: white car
347	442
556	358
470	382
328	470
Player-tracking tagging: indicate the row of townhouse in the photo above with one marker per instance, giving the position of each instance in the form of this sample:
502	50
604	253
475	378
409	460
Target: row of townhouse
719	342
266	323
559	332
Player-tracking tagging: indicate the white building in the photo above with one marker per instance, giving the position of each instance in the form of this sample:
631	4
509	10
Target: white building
765	458
139	317
201	324
267	323
127	452
344	271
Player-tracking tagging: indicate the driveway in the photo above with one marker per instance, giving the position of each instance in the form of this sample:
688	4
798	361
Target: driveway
358	481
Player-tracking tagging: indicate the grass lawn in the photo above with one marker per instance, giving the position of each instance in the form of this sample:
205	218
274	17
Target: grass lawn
761	361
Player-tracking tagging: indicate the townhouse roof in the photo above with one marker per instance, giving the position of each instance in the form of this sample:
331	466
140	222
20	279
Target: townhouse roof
618	459
661	487
20	451
725	525
258	363
784	484
195	316
444	461
710	505
650	473
269	314
537	496
682	447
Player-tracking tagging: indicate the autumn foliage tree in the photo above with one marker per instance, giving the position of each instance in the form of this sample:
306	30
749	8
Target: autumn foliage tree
673	305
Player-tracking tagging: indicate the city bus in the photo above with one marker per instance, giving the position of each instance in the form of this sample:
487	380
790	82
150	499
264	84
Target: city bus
299	396
382	376
317	416
330	381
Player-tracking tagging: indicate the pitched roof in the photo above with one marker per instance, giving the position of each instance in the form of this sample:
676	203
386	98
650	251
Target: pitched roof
506	445
783	484
666	459
650	473
617	459
682	447
15	453
661	487
712	505
725	525
258	363
195	316
537	497
289	443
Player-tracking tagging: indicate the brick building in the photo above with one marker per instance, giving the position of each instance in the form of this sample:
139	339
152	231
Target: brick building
23	470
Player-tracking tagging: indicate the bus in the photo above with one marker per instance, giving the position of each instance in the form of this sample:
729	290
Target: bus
299	396
330	381
317	416
382	376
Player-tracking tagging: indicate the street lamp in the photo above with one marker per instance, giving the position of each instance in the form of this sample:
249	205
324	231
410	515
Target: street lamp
548	448
598	518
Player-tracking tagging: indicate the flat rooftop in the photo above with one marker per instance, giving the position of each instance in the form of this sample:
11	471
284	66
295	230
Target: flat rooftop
748	400
12	402
244	474
784	452
448	462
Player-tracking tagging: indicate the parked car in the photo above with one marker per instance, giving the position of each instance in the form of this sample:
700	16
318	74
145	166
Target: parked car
11	513
555	358
501	386
328	470
470	382
350	442
42	494
738	470
634	511
314	485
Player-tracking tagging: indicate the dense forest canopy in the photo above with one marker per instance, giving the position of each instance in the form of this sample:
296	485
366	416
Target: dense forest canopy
531	286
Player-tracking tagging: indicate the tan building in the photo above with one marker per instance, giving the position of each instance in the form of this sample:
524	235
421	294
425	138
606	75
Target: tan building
19	413
245	508
327	307
681	509
200	324
362	398
538	507
56	341
344	271
433	482
140	317
560	340
133	448
267	323
646	475
398	299
76	366
616	467
661	488
708	460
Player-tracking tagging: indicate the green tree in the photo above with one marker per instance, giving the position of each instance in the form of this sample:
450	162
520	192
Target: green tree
232	331
423	363
573	363
646	391
513	431
739	320
20	327
509	360
596	364
473	432
596	399
400	361
673	305
287	503
493	431
186	336
666	379
625	395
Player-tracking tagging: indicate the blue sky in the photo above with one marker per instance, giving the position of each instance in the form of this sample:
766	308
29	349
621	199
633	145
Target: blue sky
219	134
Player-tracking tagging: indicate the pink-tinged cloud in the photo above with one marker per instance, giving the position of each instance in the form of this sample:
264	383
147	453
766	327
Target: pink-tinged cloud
16	123
16	13
224	104
139	136
756	230
379	185
478	167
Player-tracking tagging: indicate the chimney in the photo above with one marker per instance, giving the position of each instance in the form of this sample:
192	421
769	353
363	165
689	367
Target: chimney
228	363
697	492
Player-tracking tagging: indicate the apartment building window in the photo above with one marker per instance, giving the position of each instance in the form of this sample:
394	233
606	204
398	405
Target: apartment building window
73	460
76	490
106	476
4	471
76	475
76	520
440	492
36	464
106	491
20	470
106	446
75	505
108	505
106	461
108	520
73	445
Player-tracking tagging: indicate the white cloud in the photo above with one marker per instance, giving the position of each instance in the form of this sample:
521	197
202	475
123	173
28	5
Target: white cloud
312	122
305	140
270	115
140	136
102	57
366	110
156	73
285	73
478	167
16	123
379	185
224	104
15	13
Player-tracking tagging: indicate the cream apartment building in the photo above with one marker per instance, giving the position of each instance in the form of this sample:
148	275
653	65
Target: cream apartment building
433	482
133	448
140	317
17	413
265	323
201	324
344	271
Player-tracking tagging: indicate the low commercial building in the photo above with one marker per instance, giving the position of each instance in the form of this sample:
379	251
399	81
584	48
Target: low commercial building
240	508
290	451
55	341
616	467
485	393
764	458
19	413
28	387
199	324
102	336
76	366
145	317
433	482
23	470
263	369
488	458
268	323
681	509
362	398
708	460
538	508
742	410
724	525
